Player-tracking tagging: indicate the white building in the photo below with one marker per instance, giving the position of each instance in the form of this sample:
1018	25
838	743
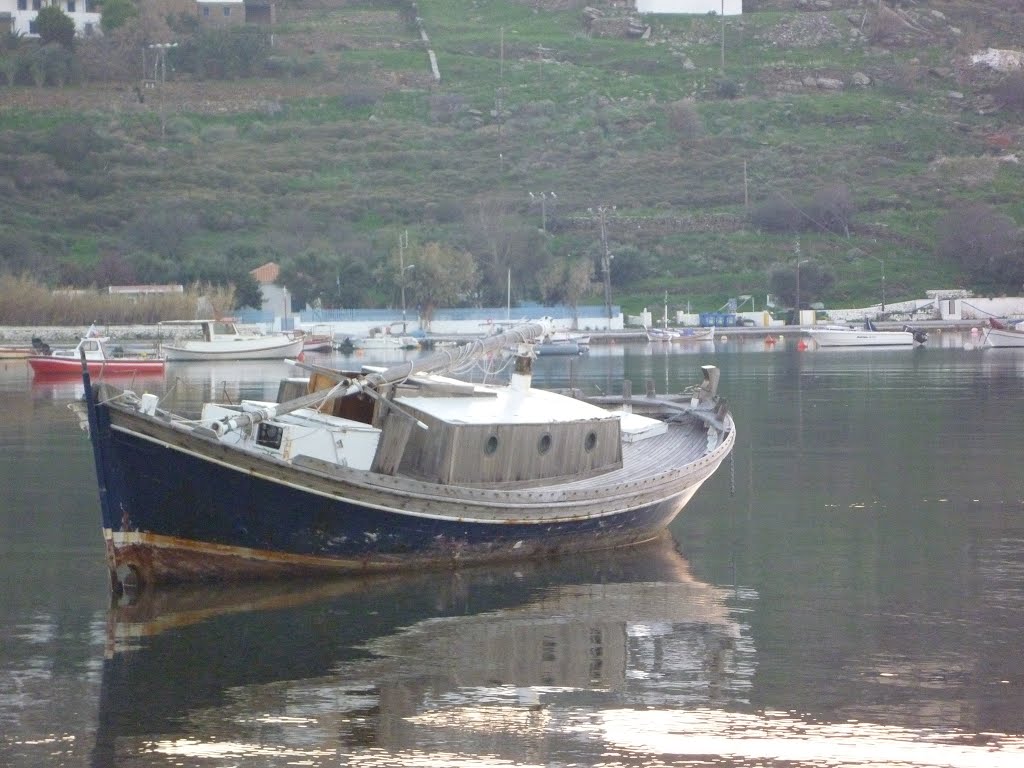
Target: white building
85	14
723	7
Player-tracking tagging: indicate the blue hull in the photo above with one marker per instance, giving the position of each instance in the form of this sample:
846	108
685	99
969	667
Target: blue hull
185	513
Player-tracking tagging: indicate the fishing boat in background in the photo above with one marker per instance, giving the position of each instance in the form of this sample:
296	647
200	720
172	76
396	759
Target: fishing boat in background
223	340
102	358
867	336
393	468
319	339
1003	334
378	337
681	334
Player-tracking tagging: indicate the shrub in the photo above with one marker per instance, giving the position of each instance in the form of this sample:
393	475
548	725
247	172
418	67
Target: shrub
985	243
685	120
55	26
1010	91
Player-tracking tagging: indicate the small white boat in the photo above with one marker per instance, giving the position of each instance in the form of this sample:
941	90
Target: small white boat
868	336
681	334
382	338
1000	334
223	340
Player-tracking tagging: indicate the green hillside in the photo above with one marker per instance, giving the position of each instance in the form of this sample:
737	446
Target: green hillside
859	136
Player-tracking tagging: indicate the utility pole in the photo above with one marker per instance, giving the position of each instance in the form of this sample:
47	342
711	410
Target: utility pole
606	258
723	37
403	243
159	76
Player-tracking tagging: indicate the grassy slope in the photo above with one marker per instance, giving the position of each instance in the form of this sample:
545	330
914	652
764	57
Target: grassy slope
367	142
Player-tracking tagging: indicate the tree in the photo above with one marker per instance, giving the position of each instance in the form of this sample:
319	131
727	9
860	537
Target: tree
831	209
55	26
567	279
116	13
309	275
986	243
815	281
247	291
445	277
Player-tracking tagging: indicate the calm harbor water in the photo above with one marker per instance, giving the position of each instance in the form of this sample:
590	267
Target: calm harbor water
848	591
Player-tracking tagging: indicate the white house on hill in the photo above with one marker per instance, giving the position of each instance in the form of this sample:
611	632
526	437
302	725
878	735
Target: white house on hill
723	7
85	14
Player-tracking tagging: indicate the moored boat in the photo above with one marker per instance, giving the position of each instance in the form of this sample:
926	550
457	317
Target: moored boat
392	469
1000	334
383	338
223	340
868	336
681	334
101	357
319	339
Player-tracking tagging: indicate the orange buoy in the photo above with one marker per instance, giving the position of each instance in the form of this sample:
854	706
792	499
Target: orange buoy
801	345
769	339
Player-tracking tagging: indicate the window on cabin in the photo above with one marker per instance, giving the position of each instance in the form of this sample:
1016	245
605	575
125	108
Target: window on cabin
206	11
37	4
227	11
71	6
22	5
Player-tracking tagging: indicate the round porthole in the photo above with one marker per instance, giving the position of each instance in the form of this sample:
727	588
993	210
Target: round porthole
544	444
590	441
491	445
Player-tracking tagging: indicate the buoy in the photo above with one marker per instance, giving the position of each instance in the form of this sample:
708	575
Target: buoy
769	340
801	345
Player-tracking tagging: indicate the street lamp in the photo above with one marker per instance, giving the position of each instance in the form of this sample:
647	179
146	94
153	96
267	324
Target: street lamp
606	259
402	276
882	264
798	317
543	197
403	243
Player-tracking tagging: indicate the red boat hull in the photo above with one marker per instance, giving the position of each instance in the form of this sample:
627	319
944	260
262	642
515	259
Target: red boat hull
69	366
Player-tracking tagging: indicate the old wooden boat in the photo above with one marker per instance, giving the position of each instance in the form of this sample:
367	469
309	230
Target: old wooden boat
102	358
392	469
224	340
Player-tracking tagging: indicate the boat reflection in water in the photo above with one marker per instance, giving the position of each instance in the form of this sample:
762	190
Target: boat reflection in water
478	662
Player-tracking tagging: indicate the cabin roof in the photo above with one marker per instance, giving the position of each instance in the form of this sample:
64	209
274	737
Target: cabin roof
506	407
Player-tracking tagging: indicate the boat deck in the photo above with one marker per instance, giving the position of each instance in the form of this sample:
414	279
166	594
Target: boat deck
642	461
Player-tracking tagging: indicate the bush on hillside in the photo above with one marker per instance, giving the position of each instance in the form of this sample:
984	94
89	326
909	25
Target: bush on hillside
1010	91
986	243
777	214
223	54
